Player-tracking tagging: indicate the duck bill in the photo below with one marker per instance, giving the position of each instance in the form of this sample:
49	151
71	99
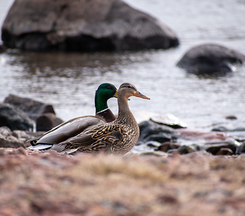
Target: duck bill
138	94
115	95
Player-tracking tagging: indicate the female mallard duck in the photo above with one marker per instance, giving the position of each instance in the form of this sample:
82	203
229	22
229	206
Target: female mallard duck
75	126
117	137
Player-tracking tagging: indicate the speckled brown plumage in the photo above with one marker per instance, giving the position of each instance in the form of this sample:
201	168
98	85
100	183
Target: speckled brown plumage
117	137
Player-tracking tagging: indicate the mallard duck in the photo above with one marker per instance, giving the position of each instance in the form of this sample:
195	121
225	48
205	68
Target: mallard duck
75	126
104	92
117	137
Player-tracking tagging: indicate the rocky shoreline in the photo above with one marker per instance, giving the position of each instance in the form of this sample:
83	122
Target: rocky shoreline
48	183
164	133
172	170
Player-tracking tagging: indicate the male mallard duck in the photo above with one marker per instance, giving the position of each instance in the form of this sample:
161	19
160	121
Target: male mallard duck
104	92
117	137
75	126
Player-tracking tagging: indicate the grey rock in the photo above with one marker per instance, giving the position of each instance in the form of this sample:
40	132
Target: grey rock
169	120
165	147
225	151
150	131
184	149
14	118
153	144
47	121
231	117
7	140
2	48
71	25
32	108
230	143
210	59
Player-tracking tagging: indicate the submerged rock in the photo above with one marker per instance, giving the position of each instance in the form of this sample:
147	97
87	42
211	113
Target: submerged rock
14	118
71	25
210	59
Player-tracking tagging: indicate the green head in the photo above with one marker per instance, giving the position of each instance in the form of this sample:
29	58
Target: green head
104	92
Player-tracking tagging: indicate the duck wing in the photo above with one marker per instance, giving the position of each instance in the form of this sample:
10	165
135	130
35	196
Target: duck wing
98	138
66	130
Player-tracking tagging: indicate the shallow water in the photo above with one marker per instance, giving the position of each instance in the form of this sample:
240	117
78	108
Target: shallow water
68	81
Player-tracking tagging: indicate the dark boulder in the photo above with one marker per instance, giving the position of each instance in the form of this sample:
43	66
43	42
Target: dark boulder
31	107
218	148
2	48
14	118
47	121
165	147
185	149
225	151
221	147
8	139
210	59
16	138
151	131
71	25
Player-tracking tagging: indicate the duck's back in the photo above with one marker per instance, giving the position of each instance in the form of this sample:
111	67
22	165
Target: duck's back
69	129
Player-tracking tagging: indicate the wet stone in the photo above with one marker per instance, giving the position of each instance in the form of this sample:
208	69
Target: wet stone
210	59
32	108
153	144
47	121
85	26
185	149
14	118
165	147
215	148
231	117
169	120
151	131
225	151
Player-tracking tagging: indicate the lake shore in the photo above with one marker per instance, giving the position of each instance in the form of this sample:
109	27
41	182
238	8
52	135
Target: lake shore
47	183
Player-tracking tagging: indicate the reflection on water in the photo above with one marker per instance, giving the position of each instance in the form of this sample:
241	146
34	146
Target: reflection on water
67	64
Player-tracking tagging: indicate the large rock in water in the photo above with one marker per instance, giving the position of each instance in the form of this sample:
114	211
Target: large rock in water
151	131
14	118
42	113
31	107
72	25
210	59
